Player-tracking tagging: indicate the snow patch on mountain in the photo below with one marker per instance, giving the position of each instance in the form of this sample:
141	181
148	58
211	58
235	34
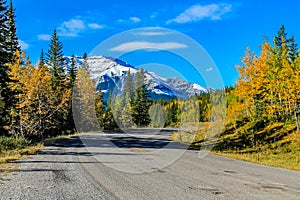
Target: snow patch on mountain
110	74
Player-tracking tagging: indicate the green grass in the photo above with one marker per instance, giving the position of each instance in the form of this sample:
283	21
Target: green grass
12	143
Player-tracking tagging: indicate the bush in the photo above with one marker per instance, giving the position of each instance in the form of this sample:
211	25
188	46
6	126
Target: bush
12	143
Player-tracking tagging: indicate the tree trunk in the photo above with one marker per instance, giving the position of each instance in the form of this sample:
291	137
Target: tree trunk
295	114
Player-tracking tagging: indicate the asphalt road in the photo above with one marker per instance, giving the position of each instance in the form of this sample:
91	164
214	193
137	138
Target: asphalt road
142	164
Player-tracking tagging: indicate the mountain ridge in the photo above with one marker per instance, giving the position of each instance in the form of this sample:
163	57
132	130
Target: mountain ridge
110	75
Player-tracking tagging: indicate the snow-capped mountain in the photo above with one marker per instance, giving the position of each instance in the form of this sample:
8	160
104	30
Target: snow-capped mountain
110	75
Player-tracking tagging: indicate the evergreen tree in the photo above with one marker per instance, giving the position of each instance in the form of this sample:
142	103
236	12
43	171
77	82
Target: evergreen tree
55	59
128	87
2	104
109	120
100	108
3	66
3	33
85	63
116	106
157	115
72	73
172	113
42	61
126	120
140	105
283	39
12	42
70	126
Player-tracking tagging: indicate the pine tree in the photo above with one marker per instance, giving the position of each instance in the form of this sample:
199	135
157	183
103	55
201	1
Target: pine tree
2	104
128	87
72	73
172	113
116	105
126	120
157	115
55	59
85	63
70	126
140	105
3	66
100	108
42	61
109	120
12	42
3	33
283	39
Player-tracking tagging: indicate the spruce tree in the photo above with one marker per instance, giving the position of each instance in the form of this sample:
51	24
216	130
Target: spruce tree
109	120
283	39
70	126
172	113
100	108
72	73
12	42
3	62
55	59
3	33
140	105
126	120
42	59
128	87
85	63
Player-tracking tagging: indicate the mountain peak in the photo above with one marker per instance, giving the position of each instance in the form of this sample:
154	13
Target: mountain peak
110	73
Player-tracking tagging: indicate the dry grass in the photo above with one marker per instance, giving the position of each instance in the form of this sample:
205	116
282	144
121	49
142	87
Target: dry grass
55	140
17	154
8	156
284	153
290	160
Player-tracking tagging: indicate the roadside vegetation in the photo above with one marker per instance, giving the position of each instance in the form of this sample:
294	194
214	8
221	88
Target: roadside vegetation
262	116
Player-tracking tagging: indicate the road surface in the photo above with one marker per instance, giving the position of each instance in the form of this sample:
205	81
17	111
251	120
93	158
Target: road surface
141	164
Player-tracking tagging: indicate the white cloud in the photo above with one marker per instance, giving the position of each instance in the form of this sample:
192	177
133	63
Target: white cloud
153	15
24	45
131	20
132	46
199	12
95	26
135	19
120	21
71	28
209	69
45	37
153	33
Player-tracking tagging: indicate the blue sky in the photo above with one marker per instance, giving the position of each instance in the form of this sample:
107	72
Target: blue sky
223	28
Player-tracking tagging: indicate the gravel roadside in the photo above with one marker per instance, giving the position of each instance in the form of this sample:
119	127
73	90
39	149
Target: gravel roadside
45	176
